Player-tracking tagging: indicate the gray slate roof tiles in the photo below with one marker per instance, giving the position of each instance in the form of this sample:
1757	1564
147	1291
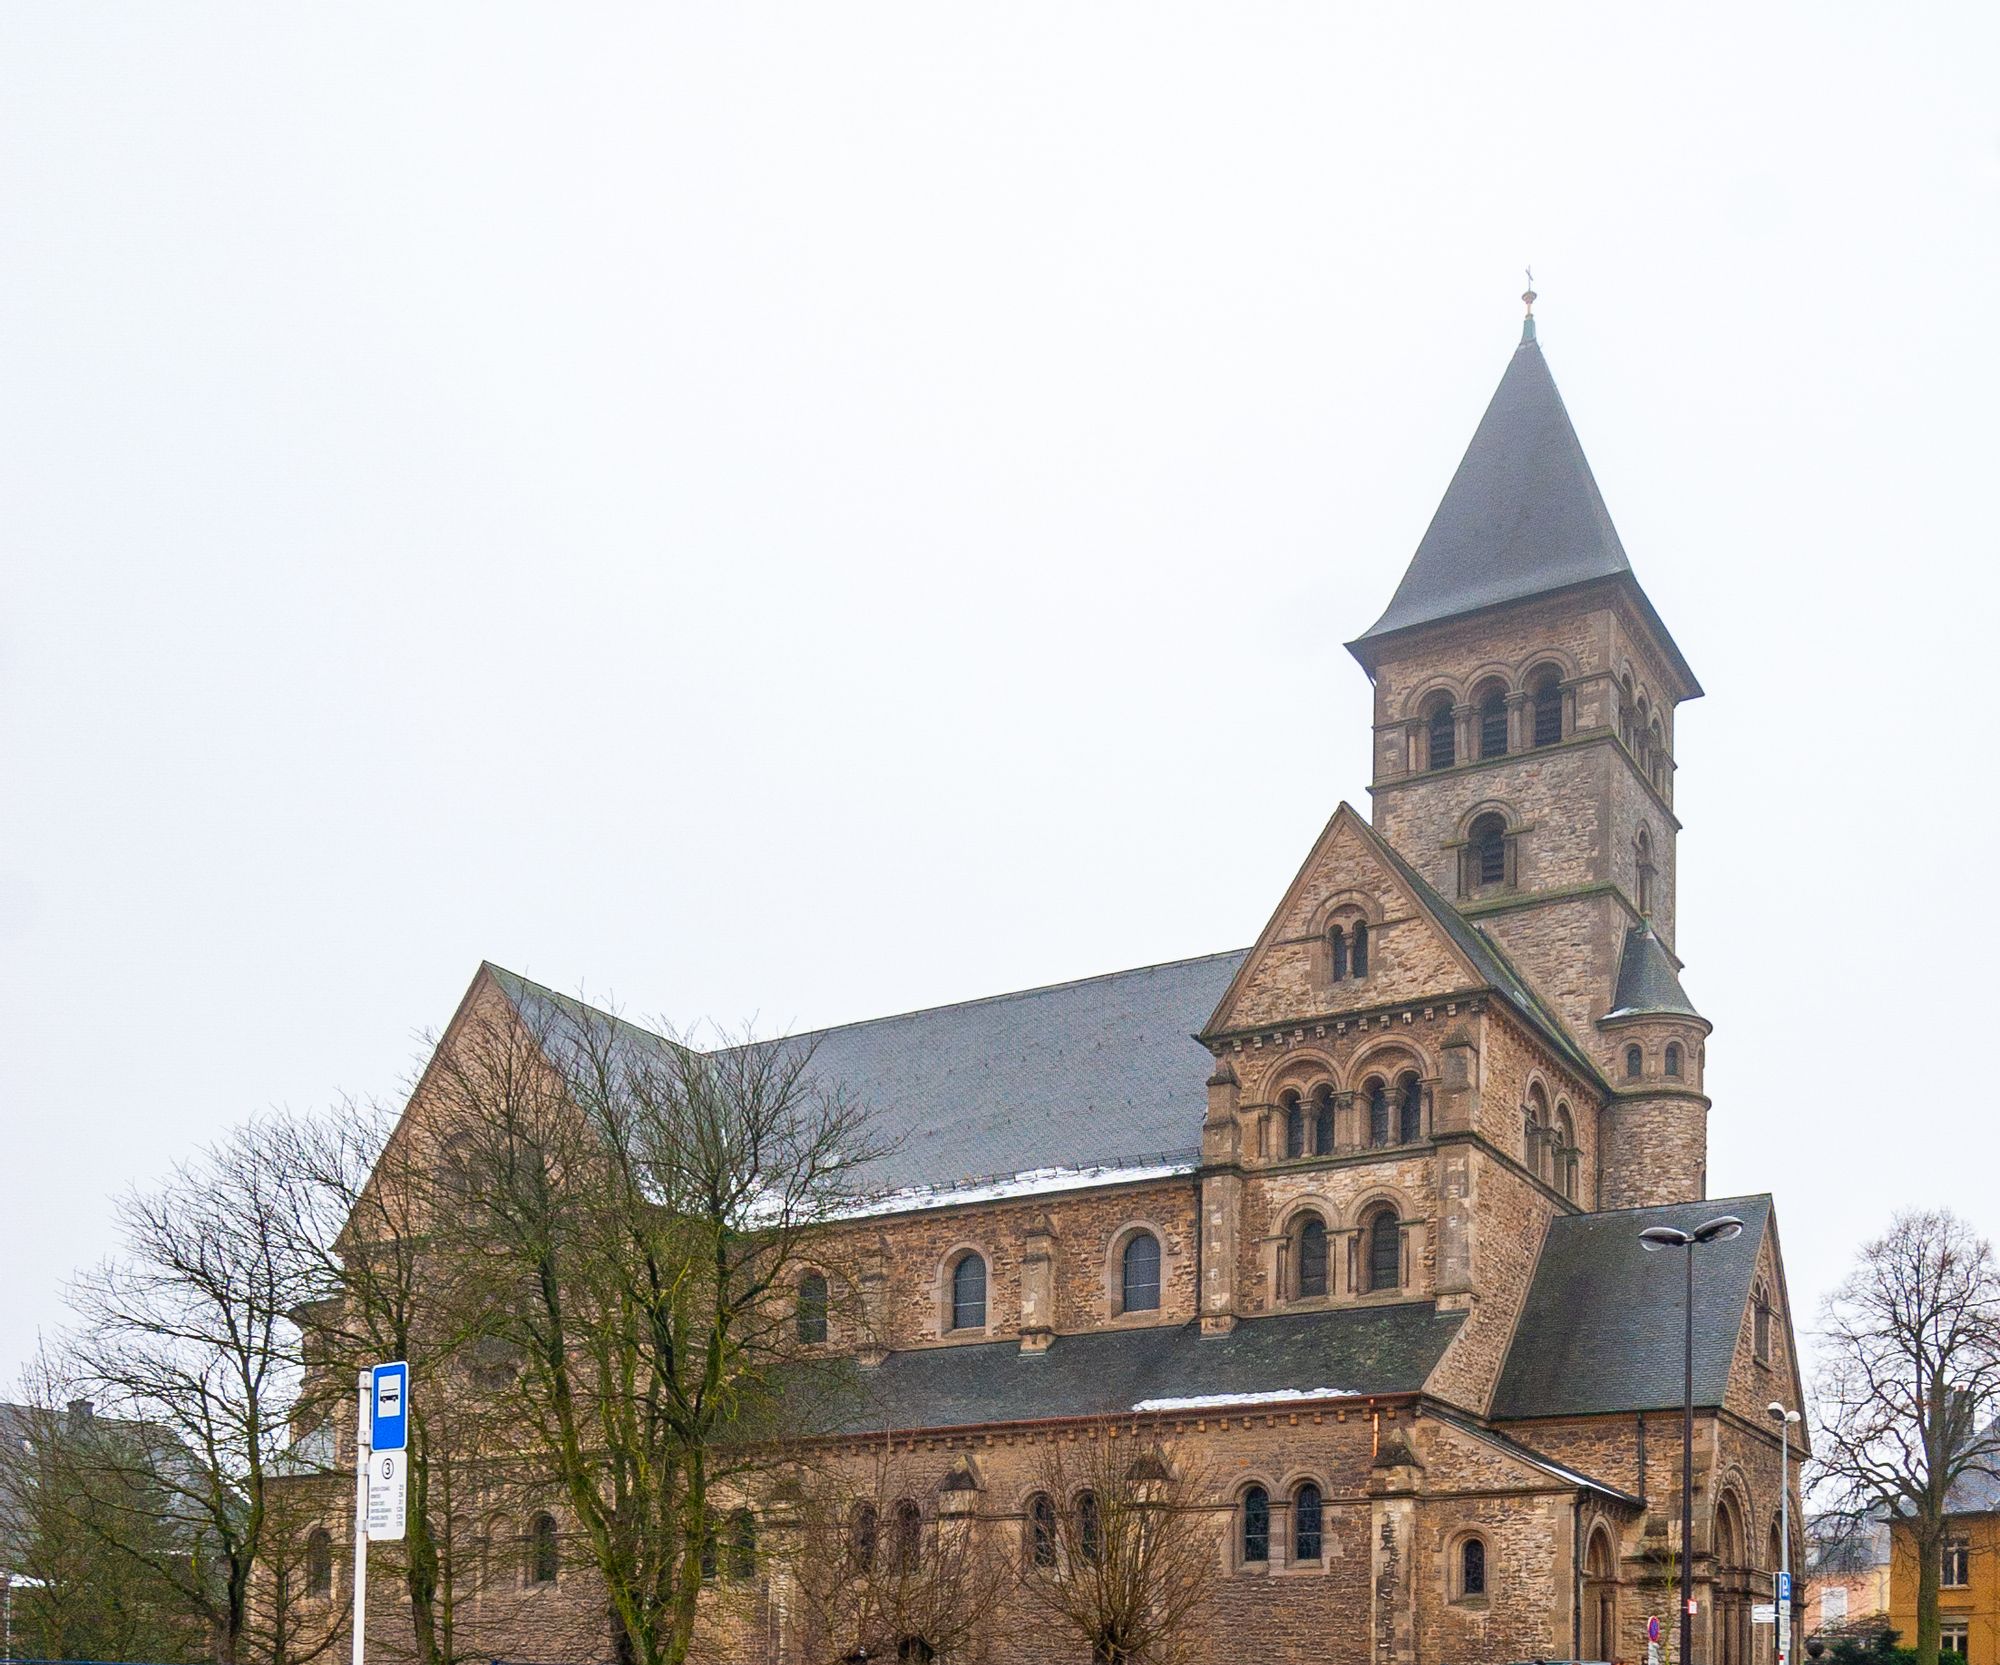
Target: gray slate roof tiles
1647	980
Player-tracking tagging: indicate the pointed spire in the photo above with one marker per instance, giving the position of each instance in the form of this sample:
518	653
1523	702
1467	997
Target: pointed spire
1528	300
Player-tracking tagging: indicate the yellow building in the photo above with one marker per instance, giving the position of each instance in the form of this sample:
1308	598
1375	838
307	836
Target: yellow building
1969	1585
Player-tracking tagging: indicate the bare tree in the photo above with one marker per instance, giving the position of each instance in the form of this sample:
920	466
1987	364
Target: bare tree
1910	1344
1122	1547
635	1216
189	1335
880	1571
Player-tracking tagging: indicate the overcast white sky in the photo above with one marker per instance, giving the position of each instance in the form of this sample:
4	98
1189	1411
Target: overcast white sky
812	511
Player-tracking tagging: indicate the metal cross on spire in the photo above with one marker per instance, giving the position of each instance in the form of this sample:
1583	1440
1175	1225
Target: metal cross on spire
1528	300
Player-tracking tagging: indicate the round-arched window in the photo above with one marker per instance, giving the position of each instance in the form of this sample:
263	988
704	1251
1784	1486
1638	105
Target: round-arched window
1256	1525
1308	1523
319	1562
1295	1125
1472	1567
1312	1256
1440	734
542	1559
811	1310
1323	1120
968	1293
1139	1275
1042	1530
1385	1251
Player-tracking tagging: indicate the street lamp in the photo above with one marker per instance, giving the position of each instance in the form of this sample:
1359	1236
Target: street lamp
1781	1615
1654	1238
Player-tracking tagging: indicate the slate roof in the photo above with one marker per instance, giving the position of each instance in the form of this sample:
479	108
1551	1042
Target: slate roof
1647	980
1389	1349
1977	1492
1602	1326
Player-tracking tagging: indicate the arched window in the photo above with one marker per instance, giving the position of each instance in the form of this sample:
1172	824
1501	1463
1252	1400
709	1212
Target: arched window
1256	1525
1337	941
1312	1256
542	1562
1547	695
1042	1530
742	1545
1493	722
1656	753
1635	1063
1626	705
861	1536
1472	1567
1534	1129
909	1535
1359	960
1323	1120
1295	1125
812	1308
1378	1111
968	1293
1565	1154
1440	735
1673	1058
1409	1108
1486	851
1308	1538
1760	1322
319	1562
1089	1527
1385	1251
1644	849
1140	1274
914	1650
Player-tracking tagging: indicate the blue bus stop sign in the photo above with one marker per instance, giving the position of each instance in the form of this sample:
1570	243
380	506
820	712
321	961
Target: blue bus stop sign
389	1407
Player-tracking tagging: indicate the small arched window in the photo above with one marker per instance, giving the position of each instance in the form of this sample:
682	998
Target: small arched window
1140	1274
1673	1058
1472	1567
1547	696
1308	1523
319	1562
862	1533
1440	735
742	1545
1656	753
1626	706
1256	1526
1644	864
1089	1527
1323	1120
1312	1256
1385	1251
1378	1111
1295	1125
1635	1063
1565	1154
1493	723
968	1293
812	1308
542	1560
1534	1129
1760	1323
1042	1530
1486	850
1337	943
909	1535
1409	1108
1359	959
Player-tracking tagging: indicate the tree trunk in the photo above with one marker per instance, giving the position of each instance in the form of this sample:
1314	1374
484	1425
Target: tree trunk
1930	1552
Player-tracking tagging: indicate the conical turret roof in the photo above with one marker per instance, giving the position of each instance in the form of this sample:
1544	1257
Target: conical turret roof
1647	980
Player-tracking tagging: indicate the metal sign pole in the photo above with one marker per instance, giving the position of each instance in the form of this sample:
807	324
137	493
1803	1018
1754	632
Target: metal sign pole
363	1448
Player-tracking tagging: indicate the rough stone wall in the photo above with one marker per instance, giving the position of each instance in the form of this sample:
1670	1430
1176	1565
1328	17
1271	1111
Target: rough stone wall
1655	1150
1511	1216
1343	1193
1568	948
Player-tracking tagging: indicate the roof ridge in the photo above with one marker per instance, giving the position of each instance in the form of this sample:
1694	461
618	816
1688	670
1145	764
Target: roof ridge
1768	1197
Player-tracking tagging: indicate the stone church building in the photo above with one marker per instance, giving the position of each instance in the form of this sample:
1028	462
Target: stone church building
1355	1212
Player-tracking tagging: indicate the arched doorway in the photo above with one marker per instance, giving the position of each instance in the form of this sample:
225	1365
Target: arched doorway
1732	1616
1600	1598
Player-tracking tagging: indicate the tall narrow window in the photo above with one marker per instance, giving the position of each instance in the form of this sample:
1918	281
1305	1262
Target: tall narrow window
1385	1251
1295	1125
742	1545
319	1562
1256	1525
909	1535
1140	1274
1440	735
1312	1256
1565	1154
1957	1563
1042	1530
1673	1058
862	1535
1337	940
1645	871
968	1294
1323	1120
1378	1112
1532	1133
1360	957
1472	1567
1308	1539
1487	850
1760	1324
1493	724
1548	702
1089	1527
812	1308
542	1564
1409	1108
1635	1063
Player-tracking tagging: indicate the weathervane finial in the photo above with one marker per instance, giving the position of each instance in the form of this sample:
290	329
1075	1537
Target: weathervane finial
1528	300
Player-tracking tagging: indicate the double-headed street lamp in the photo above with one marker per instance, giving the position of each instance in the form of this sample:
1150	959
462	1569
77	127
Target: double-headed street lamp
1781	1612
1718	1230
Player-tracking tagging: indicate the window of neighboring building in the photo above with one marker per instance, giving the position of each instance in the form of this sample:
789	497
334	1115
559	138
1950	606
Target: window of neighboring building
1256	1526
1385	1251
1673	1058
1493	723
1140	1274
1547	697
1323	1120
1440	735
319	1562
1635	1063
1832	1604
1409	1108
1307	1523
542	1561
1957	1559
1312	1256
1951	1639
968	1293
909	1535
1471	1568
1042	1530
812	1308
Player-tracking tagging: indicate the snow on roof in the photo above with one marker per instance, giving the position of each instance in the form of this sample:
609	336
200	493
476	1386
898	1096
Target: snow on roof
1215	1401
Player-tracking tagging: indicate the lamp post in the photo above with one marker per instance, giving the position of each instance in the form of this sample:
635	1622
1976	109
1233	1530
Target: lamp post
1654	1238
1781	1614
